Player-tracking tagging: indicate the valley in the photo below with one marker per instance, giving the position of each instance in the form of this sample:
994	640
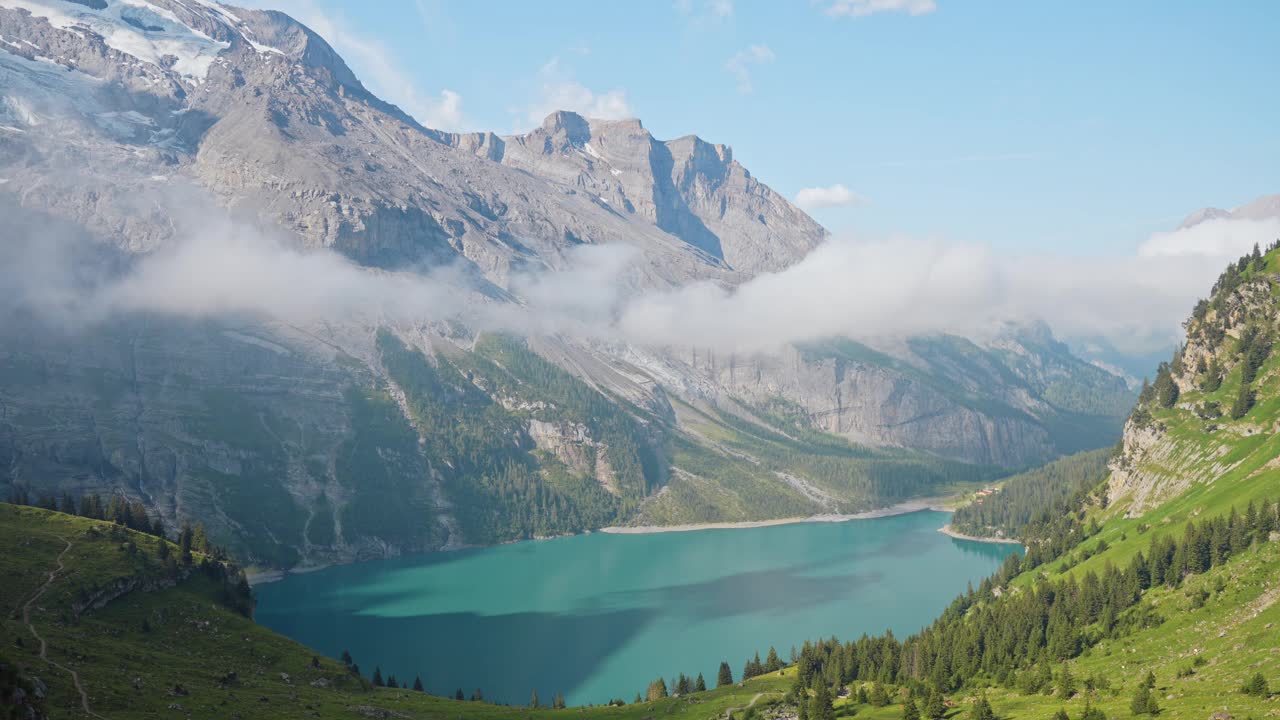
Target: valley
314	405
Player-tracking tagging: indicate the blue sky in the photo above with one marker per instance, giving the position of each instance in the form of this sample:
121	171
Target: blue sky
1077	128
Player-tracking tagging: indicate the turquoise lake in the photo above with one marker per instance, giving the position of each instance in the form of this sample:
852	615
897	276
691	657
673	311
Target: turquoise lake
598	616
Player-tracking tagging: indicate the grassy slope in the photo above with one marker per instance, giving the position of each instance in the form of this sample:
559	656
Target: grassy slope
1236	632
194	642
1230	462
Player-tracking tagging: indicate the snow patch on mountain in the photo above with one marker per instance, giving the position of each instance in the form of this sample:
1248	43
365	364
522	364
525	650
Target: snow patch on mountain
137	28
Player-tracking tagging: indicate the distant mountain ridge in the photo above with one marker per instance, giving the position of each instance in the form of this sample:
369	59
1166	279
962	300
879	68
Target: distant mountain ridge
126	123
1265	207
687	187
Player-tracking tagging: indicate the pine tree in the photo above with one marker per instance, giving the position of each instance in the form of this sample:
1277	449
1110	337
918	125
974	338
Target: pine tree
700	685
934	707
457	695
477	695
377	676
657	690
1061	715
1257	685
910	711
821	707
982	709
558	702
726	675
878	696
1141	700
417	683
772	663
533	699
1165	388
1243	403
199	539
1066	683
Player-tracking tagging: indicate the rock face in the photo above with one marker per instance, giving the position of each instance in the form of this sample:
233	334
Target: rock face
1198	421
121	123
687	187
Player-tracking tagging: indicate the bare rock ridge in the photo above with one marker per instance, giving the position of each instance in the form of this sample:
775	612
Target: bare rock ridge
687	187
1263	208
125	125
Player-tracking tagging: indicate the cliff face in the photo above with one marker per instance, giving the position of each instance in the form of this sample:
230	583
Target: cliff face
124	124
689	188
1210	414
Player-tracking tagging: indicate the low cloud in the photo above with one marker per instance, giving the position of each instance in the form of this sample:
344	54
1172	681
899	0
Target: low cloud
701	13
560	91
742	62
864	289
1217	238
816	198
863	8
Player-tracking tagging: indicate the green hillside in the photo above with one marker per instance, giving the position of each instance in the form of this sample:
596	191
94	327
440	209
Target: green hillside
1160	557
172	646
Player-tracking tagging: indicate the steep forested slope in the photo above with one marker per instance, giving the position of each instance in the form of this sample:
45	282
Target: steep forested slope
1146	590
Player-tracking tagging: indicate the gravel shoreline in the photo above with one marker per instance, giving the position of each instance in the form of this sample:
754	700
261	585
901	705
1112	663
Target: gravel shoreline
946	530
902	508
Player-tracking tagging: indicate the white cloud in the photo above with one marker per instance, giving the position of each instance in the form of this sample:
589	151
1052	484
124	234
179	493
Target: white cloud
837	195
885	288
375	67
560	91
863	8
742	62
902	287
1222	238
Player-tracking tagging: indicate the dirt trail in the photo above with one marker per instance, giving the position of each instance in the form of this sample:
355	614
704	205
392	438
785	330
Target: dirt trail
44	648
728	713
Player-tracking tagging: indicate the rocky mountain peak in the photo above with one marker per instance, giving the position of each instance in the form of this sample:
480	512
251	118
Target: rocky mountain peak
689	188
1263	208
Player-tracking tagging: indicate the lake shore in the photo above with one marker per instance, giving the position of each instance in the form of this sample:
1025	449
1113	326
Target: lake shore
938	504
902	508
946	530
261	577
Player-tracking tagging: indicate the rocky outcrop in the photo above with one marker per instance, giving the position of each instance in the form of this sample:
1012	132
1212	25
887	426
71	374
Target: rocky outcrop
571	444
1166	448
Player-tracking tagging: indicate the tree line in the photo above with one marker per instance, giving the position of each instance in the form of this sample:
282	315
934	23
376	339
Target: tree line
1017	639
1034	498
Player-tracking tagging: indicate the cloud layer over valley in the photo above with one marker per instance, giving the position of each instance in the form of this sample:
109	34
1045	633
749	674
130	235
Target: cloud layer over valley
867	289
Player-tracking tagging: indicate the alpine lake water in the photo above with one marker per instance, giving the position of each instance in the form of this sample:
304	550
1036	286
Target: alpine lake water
598	616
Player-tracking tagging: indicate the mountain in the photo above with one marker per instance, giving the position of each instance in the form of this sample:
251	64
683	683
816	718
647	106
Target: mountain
1147	587
1263	208
128	126
1206	422
686	187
